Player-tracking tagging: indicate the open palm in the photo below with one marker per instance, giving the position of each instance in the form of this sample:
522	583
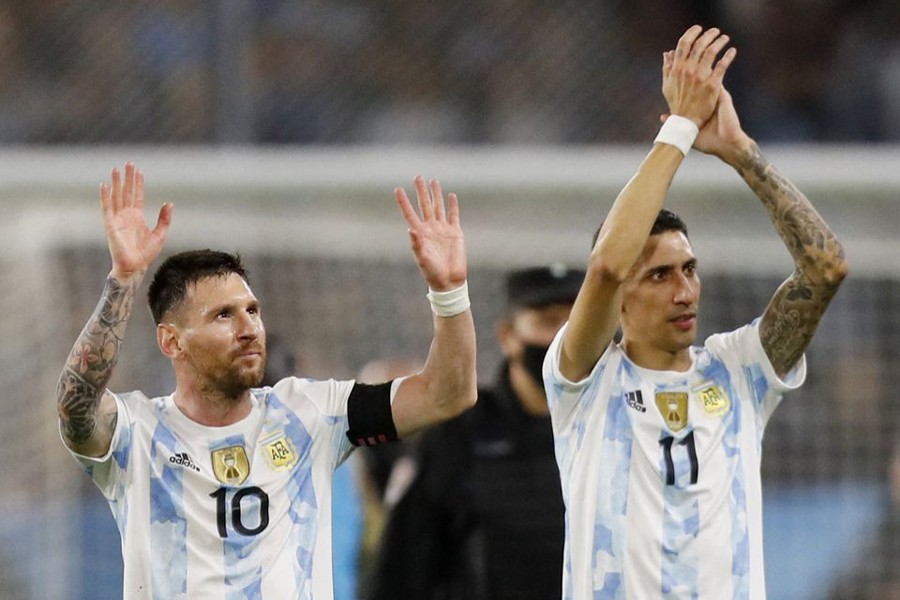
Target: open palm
133	246
436	236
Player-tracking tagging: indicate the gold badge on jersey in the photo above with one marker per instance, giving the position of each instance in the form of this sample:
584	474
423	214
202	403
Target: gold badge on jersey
714	400
674	408
231	465
280	453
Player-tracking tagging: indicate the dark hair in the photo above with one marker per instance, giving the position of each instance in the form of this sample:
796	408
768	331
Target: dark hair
666	220
170	283
535	287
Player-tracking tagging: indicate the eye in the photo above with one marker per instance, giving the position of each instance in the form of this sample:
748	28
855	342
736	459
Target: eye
222	314
690	268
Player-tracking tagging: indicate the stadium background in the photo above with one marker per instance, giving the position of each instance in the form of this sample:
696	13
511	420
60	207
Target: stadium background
279	129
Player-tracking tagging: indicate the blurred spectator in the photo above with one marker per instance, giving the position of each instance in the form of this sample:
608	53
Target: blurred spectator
382	468
875	574
401	71
479	514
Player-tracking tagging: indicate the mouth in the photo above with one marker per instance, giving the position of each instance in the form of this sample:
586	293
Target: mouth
684	322
249	354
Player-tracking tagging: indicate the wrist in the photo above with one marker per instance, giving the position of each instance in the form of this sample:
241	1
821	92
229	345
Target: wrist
126	277
678	131
451	302
740	151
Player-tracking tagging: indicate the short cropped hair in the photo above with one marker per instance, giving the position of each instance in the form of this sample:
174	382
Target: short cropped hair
173	277
665	221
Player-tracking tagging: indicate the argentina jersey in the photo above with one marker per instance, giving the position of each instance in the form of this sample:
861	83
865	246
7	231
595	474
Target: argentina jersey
235	512
660	471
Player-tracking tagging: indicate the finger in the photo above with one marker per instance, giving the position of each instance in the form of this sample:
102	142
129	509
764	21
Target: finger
453	210
668	57
724	63
406	209
105	201
128	187
139	188
115	193
163	221
712	51
683	49
424	200
437	197
663	117
703	42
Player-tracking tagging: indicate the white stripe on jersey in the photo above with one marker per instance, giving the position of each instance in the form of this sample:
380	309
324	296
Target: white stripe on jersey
657	508
188	534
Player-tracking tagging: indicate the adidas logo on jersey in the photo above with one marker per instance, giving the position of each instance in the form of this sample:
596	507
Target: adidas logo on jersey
182	459
636	401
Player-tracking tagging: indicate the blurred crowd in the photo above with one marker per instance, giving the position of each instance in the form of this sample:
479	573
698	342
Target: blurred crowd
411	71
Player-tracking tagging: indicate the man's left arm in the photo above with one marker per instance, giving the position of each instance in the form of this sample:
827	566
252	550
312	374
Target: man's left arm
794	312
446	385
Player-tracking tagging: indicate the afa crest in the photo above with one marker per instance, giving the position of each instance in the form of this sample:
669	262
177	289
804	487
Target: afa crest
714	400
280	453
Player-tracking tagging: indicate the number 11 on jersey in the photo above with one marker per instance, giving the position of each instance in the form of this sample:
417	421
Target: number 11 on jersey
690	448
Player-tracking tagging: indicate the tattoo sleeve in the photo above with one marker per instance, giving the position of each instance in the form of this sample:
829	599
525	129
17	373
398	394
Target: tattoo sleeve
89	367
793	314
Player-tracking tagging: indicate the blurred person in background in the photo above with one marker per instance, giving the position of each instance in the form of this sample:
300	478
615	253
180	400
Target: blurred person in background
875	573
224	488
659	441
474	510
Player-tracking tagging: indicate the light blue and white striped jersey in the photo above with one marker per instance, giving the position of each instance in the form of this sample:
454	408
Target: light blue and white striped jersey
235	512
660	471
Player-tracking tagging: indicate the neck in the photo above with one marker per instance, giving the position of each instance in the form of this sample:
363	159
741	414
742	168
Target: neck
213	409
657	359
529	393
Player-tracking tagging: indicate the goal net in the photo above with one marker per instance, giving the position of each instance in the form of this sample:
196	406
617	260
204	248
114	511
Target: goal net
329	259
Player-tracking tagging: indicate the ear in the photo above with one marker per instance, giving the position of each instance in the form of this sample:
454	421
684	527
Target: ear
509	343
168	338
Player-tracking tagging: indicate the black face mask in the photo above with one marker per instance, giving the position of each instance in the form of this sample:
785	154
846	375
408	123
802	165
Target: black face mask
533	361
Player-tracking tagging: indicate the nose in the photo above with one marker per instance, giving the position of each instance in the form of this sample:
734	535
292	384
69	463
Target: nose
686	289
249	326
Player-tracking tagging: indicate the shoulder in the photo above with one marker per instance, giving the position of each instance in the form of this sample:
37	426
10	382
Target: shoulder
293	391
742	344
137	403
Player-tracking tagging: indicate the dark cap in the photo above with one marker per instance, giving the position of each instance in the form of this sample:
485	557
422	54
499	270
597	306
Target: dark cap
538	286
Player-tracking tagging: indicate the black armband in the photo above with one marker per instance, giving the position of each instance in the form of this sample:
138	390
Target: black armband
369	415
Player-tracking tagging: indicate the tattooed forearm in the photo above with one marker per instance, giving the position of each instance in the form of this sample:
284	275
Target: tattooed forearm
813	246
794	313
791	319
91	361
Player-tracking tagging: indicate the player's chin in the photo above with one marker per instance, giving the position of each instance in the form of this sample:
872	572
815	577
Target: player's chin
251	377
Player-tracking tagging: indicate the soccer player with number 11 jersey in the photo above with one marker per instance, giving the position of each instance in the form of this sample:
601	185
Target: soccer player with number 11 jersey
658	441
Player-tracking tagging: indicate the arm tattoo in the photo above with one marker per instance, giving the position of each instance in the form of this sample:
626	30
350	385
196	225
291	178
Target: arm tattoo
795	310
91	361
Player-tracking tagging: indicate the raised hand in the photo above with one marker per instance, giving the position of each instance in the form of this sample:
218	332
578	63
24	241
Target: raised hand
722	135
133	246
692	75
436	236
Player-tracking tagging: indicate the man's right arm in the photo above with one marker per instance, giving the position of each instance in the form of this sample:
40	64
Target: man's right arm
692	78
87	411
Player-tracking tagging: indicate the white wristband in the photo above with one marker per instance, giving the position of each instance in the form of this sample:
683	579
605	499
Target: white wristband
449	303
679	132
